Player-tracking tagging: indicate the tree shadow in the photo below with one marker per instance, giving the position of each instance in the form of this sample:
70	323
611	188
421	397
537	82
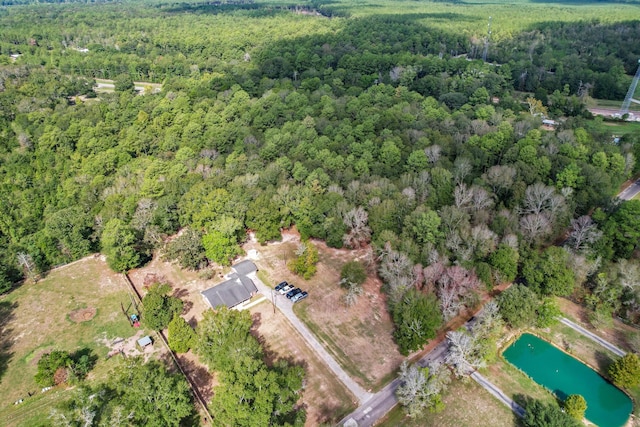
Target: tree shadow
6	334
200	376
603	361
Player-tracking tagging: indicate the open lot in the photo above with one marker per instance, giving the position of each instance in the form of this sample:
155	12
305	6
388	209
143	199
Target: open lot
466	405
358	337
325	398
75	307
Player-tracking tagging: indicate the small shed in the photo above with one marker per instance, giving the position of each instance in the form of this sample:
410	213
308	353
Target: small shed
144	342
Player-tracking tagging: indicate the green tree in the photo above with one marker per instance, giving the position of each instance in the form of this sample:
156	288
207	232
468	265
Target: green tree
622	228
119	245
187	249
505	262
305	263
158	308
625	371
223	336
538	414
518	306
123	83
181	335
549	273
352	272
153	395
220	248
416	317
575	406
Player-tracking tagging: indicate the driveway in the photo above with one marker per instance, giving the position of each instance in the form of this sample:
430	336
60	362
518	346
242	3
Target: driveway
286	307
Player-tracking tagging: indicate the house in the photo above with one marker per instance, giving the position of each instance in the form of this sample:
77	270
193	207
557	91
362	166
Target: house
233	293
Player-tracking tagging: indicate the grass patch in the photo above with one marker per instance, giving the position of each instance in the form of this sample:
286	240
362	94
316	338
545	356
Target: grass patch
466	405
39	322
330	345
325	397
614	127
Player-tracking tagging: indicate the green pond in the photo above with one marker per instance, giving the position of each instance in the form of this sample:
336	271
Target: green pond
607	405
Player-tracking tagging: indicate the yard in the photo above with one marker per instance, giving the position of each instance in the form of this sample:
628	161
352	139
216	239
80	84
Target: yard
466	405
358	337
325	398
75	307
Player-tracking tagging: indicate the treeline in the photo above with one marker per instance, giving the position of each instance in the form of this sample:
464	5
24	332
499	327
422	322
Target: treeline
358	140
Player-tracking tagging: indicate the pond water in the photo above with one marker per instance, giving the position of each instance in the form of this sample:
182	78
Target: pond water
607	405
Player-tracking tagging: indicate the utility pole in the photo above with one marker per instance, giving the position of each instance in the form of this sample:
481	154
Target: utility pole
486	42
632	91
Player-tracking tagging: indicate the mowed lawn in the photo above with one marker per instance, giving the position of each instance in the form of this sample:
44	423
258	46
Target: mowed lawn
36	321
466	405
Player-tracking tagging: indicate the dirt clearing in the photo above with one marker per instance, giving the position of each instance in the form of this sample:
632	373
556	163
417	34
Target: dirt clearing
358	337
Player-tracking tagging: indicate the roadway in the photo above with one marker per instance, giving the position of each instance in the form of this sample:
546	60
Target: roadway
631	191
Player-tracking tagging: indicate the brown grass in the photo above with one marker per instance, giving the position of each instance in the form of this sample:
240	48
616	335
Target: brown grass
359	337
466	405
325	398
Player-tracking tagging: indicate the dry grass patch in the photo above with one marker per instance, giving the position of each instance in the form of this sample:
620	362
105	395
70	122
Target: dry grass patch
74	307
466	405
358	337
325	398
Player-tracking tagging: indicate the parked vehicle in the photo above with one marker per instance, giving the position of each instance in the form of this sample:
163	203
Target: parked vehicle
298	297
285	289
293	292
281	285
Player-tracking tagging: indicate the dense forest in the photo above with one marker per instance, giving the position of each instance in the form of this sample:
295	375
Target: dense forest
270	118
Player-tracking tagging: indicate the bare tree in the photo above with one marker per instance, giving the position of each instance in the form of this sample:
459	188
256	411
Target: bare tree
433	153
500	177
463	196
359	233
540	198
453	285
354	290
396	269
29	266
464	352
420	387
535	226
481	199
584	233
462	169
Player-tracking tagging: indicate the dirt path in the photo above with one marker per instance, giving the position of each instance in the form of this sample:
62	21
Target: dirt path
606	344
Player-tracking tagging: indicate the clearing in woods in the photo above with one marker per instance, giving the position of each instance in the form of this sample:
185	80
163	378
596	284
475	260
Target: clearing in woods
74	307
358	337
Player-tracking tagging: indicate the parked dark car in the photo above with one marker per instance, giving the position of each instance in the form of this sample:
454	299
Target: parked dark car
281	285
293	292
302	295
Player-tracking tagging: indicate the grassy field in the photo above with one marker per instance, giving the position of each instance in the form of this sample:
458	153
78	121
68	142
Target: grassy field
39	321
615	128
466	405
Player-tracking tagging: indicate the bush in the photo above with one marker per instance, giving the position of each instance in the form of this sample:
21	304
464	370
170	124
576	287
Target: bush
354	273
51	363
305	264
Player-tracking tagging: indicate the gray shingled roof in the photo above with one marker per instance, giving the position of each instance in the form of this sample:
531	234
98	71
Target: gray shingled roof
244	267
234	291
